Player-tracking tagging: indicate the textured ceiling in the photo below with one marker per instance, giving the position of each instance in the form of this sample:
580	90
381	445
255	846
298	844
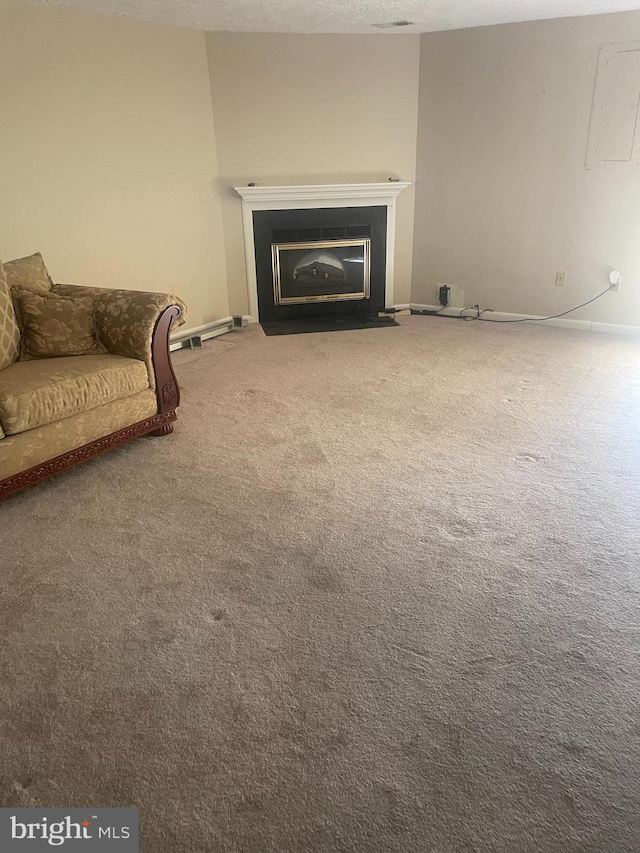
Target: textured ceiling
346	16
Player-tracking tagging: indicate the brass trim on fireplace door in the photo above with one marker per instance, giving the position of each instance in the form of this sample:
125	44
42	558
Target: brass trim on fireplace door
279	299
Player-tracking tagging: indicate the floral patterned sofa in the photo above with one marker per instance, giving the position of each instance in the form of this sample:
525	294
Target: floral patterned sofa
82	370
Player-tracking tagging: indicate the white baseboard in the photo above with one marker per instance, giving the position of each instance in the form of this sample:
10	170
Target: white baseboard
220	327
562	322
614	328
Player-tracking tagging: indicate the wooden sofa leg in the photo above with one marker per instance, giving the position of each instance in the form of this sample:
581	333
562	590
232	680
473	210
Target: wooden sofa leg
166	429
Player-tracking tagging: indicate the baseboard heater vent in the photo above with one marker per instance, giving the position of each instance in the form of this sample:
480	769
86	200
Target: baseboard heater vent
193	338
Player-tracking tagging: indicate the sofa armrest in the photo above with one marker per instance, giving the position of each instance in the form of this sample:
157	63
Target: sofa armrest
126	319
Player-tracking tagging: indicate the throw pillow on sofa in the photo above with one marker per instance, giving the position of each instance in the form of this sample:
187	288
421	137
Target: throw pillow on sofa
56	326
29	272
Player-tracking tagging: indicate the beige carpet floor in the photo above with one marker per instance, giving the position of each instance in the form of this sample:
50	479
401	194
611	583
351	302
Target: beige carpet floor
380	591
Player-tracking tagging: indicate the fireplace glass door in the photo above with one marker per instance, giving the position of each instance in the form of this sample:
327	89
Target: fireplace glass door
320	271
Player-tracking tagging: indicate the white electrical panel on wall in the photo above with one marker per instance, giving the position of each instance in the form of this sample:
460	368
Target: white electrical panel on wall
614	131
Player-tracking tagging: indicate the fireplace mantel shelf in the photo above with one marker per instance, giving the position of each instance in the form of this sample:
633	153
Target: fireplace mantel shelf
315	192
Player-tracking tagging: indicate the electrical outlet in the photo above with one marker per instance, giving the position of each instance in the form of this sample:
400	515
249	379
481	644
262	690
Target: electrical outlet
614	280
561	277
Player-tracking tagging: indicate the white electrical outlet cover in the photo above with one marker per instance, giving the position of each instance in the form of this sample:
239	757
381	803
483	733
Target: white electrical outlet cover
457	296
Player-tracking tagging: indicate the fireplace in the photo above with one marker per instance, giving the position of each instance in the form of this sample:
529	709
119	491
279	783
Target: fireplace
319	251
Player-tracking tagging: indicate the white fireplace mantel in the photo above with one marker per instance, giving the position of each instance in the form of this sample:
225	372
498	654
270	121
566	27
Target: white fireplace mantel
318	195
337	192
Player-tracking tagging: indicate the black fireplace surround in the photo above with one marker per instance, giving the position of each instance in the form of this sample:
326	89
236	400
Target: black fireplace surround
321	225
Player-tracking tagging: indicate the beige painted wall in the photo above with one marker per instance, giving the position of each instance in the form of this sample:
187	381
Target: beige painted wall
107	153
296	109
503	198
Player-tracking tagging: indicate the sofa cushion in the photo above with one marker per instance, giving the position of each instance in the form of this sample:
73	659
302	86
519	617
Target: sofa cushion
9	332
39	392
20	452
57	326
30	273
